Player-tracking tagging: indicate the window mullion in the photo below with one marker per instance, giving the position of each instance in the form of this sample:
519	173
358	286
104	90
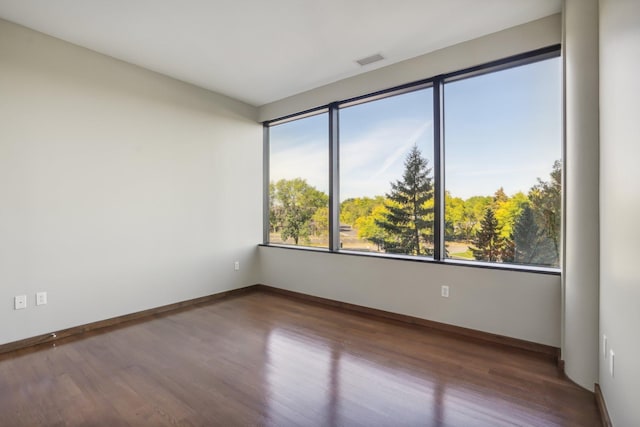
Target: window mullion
439	253
265	184
334	180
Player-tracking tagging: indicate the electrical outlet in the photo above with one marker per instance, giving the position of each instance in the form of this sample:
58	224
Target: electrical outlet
41	298
612	356
444	291
20	302
604	345
236	265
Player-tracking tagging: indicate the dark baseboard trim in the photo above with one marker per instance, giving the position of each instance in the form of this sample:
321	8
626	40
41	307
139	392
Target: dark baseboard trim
114	321
564	375
542	349
561	366
602	407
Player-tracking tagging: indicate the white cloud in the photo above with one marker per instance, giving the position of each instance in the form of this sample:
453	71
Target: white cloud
376	158
403	149
368	164
309	161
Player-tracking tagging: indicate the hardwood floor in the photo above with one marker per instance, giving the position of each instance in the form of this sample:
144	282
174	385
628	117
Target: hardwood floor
262	359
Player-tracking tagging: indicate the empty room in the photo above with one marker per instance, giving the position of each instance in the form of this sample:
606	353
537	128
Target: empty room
302	213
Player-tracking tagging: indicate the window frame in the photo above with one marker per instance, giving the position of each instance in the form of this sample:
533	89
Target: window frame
437	84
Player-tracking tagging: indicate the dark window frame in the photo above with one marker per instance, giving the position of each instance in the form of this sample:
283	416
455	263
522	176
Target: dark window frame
437	84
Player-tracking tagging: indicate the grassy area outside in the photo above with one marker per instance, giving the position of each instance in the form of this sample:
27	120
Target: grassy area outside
351	241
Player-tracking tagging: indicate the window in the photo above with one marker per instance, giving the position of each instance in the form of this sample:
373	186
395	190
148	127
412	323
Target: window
386	175
299	182
502	165
460	168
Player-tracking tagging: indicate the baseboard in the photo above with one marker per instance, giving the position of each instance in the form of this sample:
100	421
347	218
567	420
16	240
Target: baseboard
542	349
139	315
602	407
560	365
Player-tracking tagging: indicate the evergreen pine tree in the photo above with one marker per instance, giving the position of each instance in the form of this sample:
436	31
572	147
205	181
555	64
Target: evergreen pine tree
526	237
507	250
407	220
488	243
532	245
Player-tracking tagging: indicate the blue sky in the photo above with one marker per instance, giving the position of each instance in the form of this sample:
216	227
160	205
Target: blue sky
502	129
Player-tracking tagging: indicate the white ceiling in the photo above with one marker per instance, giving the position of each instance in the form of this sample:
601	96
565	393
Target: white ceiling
260	51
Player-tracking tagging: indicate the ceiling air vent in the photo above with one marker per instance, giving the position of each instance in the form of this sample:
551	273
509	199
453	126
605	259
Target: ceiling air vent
370	59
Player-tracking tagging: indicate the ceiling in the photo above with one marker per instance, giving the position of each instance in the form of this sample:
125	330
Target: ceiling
260	51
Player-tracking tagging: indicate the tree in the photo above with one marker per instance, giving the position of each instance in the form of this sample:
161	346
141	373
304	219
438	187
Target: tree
474	208
526	237
353	209
369	230
532	246
275	211
488	243
546	202
408	220
453	216
320	221
507	251
507	212
293	203
500	196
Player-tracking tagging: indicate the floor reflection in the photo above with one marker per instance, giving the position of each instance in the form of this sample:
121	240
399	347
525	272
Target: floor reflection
298	375
309	378
337	383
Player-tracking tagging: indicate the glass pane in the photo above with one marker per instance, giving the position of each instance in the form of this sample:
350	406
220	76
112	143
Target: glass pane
386	176
503	147
299	182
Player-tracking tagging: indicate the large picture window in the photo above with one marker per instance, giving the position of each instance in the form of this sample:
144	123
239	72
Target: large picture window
386	175
459	168
502	165
299	182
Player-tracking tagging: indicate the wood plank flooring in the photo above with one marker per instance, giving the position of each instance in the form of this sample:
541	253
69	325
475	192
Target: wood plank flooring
262	359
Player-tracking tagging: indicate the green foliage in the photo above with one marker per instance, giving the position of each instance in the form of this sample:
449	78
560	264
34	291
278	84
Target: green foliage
489	245
531	244
522	228
320	221
508	210
546	202
408	220
353	209
500	196
487	241
473	211
293	203
454	216
525	236
368	228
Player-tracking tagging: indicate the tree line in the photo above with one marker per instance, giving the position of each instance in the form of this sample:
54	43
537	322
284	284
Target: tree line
522	228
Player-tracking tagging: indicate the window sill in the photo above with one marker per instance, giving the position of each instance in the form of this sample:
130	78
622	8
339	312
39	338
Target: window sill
427	260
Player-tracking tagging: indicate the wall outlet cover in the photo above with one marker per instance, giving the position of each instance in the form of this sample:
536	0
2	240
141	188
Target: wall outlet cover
41	298
20	302
444	291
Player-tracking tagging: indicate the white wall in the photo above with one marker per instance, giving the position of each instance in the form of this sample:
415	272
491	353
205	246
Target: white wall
120	189
514	304
580	339
619	206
